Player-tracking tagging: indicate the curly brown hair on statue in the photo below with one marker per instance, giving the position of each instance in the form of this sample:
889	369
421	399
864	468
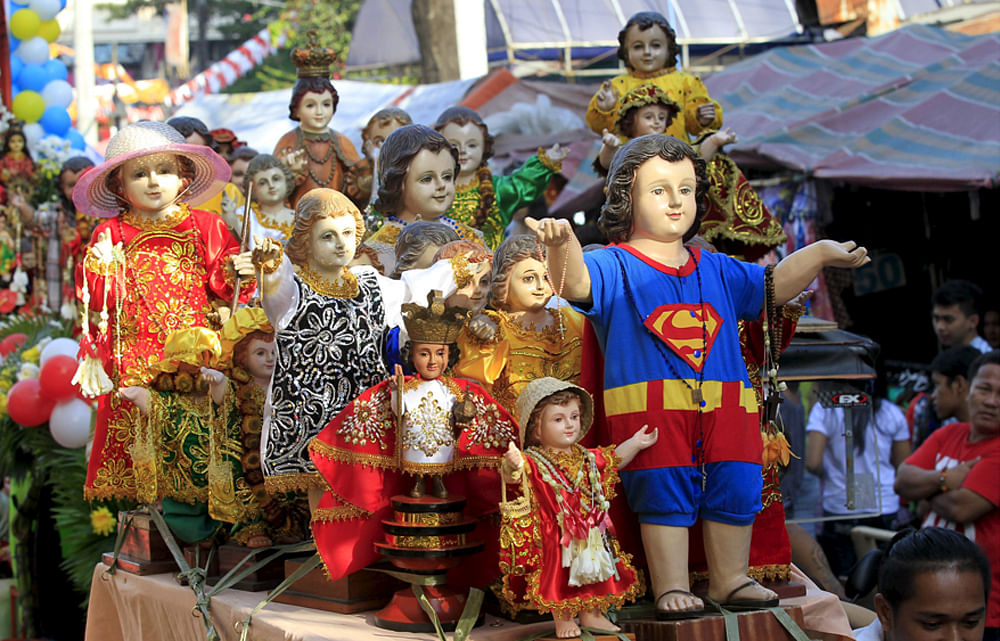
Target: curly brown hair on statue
462	116
645	20
310	84
616	215
510	253
263	162
394	160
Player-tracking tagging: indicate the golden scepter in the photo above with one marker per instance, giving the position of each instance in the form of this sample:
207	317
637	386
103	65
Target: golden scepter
244	244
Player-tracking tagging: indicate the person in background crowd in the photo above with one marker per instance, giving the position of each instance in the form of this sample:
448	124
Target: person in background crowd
933	586
991	327
881	443
956	315
954	474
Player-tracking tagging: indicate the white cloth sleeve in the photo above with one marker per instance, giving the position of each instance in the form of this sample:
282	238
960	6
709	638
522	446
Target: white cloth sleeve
280	296
412	287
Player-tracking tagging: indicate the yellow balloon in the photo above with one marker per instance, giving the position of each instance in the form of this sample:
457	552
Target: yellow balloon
28	106
49	30
24	24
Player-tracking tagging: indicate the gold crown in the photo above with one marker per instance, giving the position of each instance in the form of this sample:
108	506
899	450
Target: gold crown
313	61
434	323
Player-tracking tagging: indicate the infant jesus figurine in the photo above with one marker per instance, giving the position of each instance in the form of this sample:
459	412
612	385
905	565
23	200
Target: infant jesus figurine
569	563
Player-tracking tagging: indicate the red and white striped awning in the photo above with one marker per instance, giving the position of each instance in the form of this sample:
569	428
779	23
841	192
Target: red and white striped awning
226	71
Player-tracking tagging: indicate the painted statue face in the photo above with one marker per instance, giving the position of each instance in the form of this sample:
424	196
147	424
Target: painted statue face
332	242
474	295
429	186
664	205
429	359
651	119
151	183
379	132
529	289
315	111
647	50
947	605
67	181
16	143
270	186
261	356
468	139
239	167
559	425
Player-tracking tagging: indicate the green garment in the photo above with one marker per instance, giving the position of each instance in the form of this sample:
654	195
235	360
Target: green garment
523	187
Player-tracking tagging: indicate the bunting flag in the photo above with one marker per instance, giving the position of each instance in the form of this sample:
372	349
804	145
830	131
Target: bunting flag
226	71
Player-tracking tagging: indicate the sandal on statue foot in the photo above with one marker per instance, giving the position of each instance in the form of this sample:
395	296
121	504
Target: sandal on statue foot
752	604
673	615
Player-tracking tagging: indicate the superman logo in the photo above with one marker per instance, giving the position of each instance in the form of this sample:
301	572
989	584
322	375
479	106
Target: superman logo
680	327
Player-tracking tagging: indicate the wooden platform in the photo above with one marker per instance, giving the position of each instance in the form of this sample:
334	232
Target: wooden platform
363	590
759	625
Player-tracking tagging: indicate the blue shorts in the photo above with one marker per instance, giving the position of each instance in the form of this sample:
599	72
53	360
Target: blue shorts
673	495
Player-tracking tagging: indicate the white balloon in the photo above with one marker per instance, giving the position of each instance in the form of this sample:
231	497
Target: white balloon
70	423
57	93
34	51
65	346
46	9
33	132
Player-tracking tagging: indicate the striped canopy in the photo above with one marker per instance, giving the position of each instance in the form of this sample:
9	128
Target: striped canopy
917	109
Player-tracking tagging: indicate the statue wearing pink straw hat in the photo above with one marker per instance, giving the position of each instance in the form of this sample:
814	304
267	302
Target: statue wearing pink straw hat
154	266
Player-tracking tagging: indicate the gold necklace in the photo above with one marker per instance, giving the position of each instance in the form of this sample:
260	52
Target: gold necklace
273	223
167	222
344	287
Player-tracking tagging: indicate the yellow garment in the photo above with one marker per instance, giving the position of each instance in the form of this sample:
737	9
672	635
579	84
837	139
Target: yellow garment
244	322
516	356
214	204
685	89
189	346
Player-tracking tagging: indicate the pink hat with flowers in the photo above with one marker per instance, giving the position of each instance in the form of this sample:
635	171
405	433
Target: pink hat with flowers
92	196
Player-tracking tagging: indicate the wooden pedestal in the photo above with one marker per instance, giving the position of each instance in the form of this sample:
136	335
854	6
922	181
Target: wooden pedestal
597	637
143	550
266	578
363	590
759	624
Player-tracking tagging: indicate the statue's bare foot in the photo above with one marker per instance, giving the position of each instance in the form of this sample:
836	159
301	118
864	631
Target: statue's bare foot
566	628
678	604
597	620
258	541
746	593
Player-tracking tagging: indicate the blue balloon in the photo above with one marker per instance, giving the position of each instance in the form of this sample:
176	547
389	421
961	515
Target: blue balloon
55	69
75	139
56	121
14	6
14	90
14	41
15	68
33	78
62	4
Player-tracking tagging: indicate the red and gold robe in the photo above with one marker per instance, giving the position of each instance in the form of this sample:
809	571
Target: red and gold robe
171	273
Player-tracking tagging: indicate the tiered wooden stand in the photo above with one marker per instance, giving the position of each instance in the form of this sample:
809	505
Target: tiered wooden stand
427	536
759	624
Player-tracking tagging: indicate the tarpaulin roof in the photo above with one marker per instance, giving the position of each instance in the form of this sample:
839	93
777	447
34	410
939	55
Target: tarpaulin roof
528	29
917	109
